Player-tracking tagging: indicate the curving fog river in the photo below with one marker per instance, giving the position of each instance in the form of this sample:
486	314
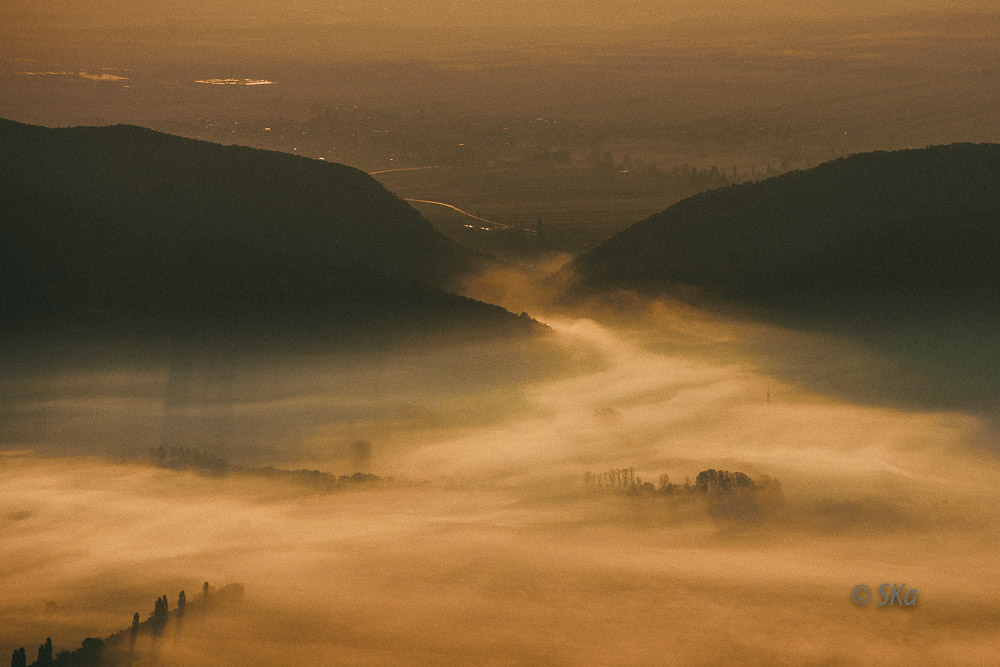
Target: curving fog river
486	547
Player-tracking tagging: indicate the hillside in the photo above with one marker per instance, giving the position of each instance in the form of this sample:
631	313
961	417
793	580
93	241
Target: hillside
111	228
913	227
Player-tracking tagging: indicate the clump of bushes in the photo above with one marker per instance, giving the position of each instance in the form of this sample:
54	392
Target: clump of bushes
728	495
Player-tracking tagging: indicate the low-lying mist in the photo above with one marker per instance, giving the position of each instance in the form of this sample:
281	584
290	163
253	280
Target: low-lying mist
486	547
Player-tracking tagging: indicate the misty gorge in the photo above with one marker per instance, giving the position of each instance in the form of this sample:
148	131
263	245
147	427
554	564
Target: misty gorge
314	352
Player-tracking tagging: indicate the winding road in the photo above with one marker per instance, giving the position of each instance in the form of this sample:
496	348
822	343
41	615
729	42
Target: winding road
455	208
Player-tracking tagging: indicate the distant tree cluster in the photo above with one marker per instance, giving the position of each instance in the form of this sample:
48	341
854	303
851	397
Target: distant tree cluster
619	480
731	495
190	458
323	480
684	175
698	179
624	481
717	482
45	653
114	650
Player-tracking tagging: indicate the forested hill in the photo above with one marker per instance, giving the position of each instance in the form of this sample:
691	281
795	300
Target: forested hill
904	229
110	227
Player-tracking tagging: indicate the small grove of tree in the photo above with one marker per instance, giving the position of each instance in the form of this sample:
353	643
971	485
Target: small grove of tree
45	656
314	478
88	655
161	612
20	658
182	458
730	495
711	482
618	480
625	481
734	496
190	458
716	482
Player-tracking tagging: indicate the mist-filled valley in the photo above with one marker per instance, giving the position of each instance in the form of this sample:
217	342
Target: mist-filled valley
481	542
499	333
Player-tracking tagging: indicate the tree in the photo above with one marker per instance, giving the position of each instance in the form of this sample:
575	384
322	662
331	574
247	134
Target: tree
19	659
181	604
161	612
89	652
44	653
135	630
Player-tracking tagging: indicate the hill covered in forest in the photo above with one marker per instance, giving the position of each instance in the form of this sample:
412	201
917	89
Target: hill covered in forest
112	228
915	226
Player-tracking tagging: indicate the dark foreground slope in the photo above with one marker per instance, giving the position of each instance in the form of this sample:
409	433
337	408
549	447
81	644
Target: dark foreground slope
122	228
900	250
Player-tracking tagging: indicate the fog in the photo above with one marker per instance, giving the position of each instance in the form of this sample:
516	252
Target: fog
486	547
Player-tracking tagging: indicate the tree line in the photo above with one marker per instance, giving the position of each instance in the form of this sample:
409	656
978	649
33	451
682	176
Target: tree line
202	461
120	647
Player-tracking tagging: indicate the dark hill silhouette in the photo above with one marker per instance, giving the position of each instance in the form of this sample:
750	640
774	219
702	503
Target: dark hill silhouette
105	228
898	249
876	227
